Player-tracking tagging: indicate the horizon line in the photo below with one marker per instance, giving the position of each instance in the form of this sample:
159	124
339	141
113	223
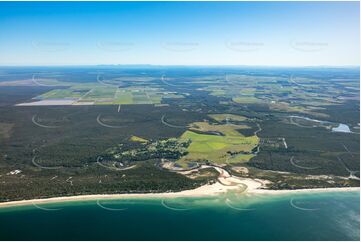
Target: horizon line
184	65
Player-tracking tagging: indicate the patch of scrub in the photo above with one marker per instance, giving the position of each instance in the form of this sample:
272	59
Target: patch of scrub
5	130
225	130
227	117
240	158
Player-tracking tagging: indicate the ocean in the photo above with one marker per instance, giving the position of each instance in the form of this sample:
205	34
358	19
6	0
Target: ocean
302	216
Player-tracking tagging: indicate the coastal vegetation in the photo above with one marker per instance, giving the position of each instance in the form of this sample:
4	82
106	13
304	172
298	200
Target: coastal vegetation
147	131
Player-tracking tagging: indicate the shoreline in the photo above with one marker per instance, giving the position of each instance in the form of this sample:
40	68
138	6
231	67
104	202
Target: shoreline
253	187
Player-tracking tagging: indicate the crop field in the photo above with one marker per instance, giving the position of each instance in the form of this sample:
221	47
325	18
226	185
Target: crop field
108	95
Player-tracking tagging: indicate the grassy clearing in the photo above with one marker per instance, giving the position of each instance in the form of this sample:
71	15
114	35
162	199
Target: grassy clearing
110	95
216	148
246	100
226	130
240	158
230	117
138	139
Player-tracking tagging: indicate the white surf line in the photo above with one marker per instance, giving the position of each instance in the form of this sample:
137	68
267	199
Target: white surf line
54	177
301	208
174	209
284	142
171	125
44	167
33	119
107	125
109	209
225	174
302	167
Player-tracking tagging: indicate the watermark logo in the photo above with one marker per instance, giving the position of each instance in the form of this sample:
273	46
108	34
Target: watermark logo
101	80
294	163
231	205
101	123
40	122
39	81
166	123
305	205
35	162
165	81
308	46
179	207
244	46
106	207
113	165
45	208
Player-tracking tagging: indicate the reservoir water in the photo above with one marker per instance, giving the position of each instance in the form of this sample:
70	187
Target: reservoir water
342	128
308	216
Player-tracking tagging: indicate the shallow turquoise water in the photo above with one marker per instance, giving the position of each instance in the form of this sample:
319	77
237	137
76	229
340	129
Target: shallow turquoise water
316	216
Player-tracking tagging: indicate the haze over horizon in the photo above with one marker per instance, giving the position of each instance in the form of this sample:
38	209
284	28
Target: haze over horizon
267	34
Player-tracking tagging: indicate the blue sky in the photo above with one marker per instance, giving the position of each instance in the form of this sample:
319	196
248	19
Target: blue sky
180	33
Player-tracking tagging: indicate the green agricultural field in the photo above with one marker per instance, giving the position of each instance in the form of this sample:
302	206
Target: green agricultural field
216	148
123	97
110	95
246	100
62	93
100	93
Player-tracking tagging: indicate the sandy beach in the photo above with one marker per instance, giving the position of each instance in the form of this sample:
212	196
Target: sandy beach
225	183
